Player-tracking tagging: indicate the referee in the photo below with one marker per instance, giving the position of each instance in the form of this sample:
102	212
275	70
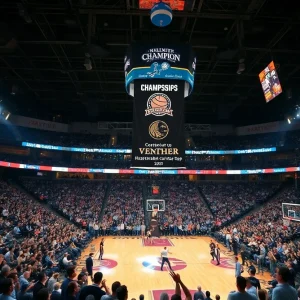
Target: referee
164	256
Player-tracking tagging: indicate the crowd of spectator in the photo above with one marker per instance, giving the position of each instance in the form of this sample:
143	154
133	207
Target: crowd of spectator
124	212
80	201
229	201
266	225
33	239
35	243
266	239
185	212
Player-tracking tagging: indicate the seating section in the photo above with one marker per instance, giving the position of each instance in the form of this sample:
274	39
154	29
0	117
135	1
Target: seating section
124	206
265	226
33	230
267	222
228	201
39	236
80	201
186	213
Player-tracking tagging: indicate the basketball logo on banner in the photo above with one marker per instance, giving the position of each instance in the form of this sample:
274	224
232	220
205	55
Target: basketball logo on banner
158	130
159	104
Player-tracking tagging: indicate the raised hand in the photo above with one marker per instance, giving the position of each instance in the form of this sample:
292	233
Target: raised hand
176	277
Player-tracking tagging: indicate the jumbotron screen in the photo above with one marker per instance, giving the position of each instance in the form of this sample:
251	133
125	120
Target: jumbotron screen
174	4
270	82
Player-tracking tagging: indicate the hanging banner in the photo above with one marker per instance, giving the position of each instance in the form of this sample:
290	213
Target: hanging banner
158	127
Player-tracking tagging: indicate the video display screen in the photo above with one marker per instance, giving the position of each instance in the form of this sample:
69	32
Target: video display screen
174	4
270	82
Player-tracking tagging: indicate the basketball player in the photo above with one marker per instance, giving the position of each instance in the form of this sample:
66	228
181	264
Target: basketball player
212	247
217	254
154	214
149	236
101	249
164	258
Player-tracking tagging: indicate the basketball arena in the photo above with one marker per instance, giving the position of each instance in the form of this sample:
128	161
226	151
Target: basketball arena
149	150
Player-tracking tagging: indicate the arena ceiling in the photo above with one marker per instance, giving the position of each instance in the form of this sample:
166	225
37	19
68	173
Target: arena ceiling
43	46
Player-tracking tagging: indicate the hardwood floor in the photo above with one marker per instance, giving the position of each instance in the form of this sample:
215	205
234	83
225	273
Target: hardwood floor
129	261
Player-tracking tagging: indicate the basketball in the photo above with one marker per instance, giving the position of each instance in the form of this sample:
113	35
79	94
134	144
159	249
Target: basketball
159	102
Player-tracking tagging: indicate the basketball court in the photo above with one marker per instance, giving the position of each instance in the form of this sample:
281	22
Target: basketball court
136	264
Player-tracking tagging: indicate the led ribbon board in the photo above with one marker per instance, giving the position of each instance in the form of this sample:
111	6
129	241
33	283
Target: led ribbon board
128	151
142	172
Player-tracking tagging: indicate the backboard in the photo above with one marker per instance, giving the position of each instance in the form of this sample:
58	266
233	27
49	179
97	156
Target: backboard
153	204
291	211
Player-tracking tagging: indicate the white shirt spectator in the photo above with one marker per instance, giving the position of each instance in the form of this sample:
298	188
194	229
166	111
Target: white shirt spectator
66	262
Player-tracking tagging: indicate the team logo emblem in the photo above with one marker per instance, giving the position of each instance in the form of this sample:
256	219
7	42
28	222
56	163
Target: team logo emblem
154	263
158	130
159	105
158	68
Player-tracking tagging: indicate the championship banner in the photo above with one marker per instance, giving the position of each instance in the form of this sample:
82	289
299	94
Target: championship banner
158	127
171	62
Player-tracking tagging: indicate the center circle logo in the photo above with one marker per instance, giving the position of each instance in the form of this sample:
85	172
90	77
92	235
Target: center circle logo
159	104
158	130
106	263
155	264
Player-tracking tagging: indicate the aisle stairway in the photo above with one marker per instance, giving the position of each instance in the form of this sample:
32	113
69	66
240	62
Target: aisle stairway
104	203
202	197
18	184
